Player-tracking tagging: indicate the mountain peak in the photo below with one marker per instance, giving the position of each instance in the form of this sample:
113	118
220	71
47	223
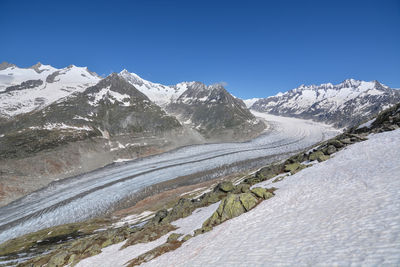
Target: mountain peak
5	65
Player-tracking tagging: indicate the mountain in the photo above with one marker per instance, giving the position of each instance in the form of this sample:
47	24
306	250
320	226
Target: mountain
343	105
87	130
214	112
111	108
160	94
24	90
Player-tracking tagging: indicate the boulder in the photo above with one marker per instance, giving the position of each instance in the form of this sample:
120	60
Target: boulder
241	188
225	186
346	141
186	238
336	143
173	237
230	207
248	201
323	158
182	209
269	172
160	215
261	193
330	150
315	155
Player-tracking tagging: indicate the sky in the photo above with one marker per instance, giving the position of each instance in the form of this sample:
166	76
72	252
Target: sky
256	48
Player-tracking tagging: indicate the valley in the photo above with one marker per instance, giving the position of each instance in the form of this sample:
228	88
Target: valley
96	193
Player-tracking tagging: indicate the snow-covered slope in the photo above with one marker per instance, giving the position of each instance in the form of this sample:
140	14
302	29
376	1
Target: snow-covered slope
23	90
160	94
344	104
341	212
249	102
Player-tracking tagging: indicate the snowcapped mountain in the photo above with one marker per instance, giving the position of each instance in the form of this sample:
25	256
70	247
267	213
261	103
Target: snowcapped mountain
23	90
214	112
345	104
160	94
111	108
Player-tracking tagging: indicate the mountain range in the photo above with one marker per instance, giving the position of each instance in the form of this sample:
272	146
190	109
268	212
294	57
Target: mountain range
56	123
344	105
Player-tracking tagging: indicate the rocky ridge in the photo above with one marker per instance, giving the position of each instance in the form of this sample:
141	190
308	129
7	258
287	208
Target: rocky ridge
344	105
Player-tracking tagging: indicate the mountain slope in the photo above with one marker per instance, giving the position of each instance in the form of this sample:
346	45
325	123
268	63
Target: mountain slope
110	108
344	105
23	90
214	112
160	94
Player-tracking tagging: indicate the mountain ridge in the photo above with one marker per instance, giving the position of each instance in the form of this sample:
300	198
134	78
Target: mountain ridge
343	105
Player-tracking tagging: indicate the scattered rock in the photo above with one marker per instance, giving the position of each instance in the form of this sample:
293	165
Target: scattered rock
294	167
173	237
346	141
331	149
316	155
279	178
269	172
336	143
323	158
262	193
241	188
248	201
186	238
225	186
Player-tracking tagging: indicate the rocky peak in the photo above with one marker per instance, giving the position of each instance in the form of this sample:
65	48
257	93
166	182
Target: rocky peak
5	65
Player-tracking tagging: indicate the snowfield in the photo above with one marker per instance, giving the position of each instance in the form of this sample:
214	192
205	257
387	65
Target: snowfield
341	212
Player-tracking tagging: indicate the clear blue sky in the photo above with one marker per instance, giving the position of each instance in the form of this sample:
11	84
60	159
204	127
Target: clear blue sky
257	47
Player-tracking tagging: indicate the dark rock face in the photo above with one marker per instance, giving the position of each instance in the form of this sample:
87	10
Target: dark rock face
214	112
317	103
24	85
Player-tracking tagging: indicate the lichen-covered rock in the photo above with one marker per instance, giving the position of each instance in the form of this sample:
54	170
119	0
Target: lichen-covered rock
173	237
225	186
211	198
241	188
336	143
315	155
248	201
261	193
182	209
323	158
186	238
58	259
159	216
331	149
230	207
346	141
268	172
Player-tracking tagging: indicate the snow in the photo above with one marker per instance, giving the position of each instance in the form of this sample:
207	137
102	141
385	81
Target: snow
158	93
68	81
327	96
112	96
250	102
366	124
341	212
134	218
112	256
61	126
